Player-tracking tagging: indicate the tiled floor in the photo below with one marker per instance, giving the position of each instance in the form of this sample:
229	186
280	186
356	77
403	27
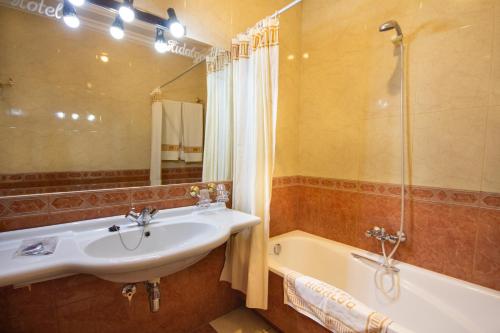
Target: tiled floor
241	320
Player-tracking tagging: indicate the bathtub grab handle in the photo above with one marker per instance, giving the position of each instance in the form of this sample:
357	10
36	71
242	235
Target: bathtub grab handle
359	256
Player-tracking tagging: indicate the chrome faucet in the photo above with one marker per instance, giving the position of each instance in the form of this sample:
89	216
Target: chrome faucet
143	218
381	235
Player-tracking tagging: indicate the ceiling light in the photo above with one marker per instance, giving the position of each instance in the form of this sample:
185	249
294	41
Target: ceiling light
160	43
60	115
126	11
77	3
116	29
90	117
174	26
69	15
75	116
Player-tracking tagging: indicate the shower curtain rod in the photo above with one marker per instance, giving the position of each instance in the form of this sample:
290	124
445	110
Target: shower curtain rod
181	74
287	7
279	12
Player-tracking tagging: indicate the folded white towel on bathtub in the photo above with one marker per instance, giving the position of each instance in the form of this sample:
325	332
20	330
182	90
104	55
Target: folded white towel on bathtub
331	307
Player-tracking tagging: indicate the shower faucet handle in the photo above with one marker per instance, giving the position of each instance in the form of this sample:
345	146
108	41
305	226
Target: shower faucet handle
381	235
375	232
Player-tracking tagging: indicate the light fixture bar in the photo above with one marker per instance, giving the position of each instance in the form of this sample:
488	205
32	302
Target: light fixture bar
140	15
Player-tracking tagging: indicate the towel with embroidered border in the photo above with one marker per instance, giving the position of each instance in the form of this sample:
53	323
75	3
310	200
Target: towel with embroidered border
331	307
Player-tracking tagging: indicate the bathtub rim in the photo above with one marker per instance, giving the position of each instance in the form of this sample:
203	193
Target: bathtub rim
275	267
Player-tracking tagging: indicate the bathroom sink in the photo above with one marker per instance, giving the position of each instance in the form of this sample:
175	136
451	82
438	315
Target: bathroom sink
161	238
174	240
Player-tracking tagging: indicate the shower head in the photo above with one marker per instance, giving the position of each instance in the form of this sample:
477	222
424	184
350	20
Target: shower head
389	25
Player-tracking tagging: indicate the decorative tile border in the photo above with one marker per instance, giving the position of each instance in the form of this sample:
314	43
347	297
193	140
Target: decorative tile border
417	193
48	182
28	211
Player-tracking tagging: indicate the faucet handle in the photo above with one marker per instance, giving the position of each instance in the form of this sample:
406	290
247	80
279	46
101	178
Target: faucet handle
374	232
153	212
132	214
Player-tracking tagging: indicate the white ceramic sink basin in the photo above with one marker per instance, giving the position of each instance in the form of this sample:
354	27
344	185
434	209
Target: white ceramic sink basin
174	240
162	237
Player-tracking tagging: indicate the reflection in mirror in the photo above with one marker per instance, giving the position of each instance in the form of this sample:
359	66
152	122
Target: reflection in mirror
76	104
218	164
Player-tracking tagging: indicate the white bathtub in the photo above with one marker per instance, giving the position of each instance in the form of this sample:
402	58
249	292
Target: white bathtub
421	301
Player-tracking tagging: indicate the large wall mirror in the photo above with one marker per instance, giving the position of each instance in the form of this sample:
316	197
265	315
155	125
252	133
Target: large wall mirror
76	104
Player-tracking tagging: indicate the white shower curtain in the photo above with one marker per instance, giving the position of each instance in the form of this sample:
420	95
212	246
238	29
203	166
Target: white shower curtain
218	161
255	90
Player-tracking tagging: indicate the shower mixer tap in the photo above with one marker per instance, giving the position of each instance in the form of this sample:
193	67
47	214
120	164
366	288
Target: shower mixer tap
381	235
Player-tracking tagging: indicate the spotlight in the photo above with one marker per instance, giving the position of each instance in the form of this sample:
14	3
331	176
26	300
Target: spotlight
126	11
160	43
174	26
103	57
90	117
75	116
69	15
77	3
116	29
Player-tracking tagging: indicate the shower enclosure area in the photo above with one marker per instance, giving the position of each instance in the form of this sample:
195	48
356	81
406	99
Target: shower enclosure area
341	174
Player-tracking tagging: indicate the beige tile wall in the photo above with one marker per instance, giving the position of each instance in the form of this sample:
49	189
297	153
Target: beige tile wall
56	70
349	115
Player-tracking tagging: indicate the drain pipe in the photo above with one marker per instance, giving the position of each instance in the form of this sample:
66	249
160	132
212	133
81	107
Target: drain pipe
153	288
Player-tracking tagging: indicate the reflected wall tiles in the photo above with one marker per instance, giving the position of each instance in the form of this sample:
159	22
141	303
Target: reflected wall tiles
47	182
95	98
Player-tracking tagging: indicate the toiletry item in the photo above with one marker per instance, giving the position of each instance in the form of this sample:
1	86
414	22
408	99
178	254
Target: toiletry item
37	247
222	194
205	200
